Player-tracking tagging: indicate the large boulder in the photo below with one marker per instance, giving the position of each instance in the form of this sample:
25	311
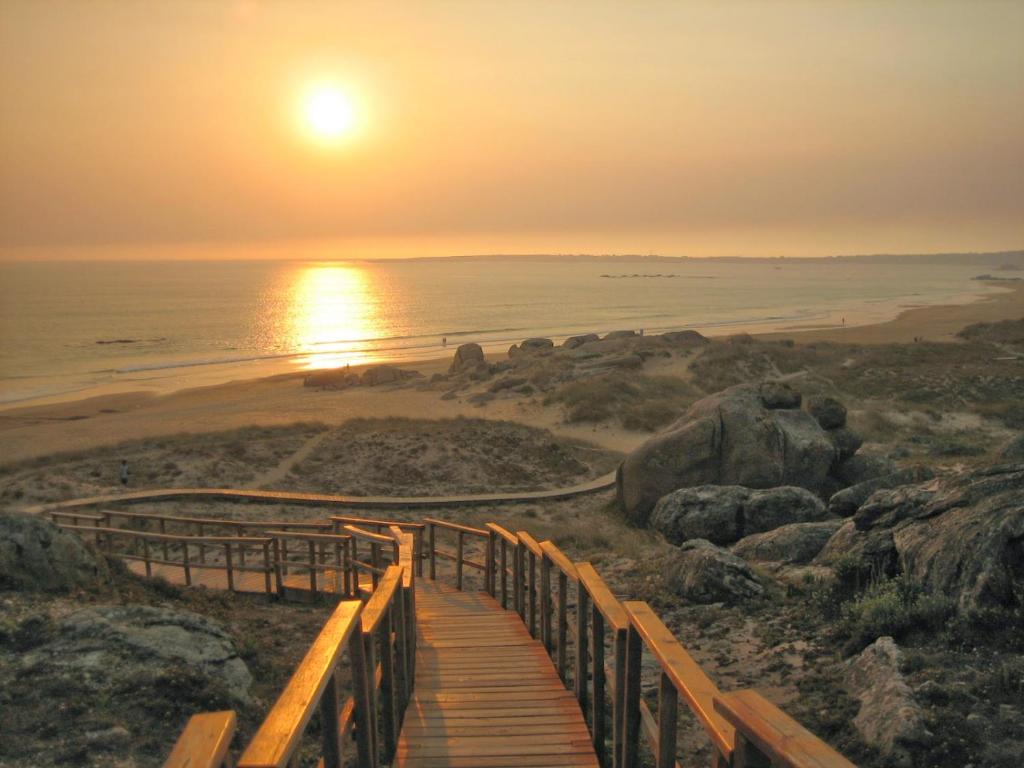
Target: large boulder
117	648
751	435
863	467
829	412
468	357
37	556
619	335
531	347
961	536
847	501
386	374
793	544
723	514
578	341
703	573
889	719
685	338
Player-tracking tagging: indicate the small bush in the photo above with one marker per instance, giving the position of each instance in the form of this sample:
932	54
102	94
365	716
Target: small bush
637	402
895	607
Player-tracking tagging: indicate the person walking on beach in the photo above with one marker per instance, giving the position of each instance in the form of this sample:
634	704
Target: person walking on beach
124	472
444	341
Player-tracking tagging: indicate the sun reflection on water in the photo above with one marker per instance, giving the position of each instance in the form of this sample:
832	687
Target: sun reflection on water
333	315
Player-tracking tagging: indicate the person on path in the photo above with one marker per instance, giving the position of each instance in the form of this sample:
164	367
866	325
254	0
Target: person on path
124	472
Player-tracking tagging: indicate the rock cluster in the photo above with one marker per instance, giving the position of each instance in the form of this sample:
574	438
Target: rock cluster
754	435
37	556
343	378
793	544
703	573
961	536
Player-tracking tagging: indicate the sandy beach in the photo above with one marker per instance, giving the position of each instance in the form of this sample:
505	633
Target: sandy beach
73	425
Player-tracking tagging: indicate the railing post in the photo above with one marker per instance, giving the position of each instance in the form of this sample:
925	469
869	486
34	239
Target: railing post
354	549
388	701
278	568
517	579
330	733
361	694
563	623
163	530
504	574
371	675
145	555
433	552
375	562
490	577
597	712
532	594
312	567
668	703
580	673
401	627
228	567
241	546
631	700
418	546
266	568
459	545
618	698
339	576
545	604
347	568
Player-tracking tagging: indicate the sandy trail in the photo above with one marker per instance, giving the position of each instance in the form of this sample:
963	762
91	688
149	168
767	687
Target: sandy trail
274	476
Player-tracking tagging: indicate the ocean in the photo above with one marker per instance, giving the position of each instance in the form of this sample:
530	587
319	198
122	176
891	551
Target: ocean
84	328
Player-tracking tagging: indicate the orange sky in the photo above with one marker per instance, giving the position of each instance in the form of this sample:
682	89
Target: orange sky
720	128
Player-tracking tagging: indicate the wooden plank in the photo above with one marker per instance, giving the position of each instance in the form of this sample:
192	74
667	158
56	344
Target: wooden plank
777	735
280	732
530	543
456	526
558	557
602	597
205	741
693	684
380	601
504	533
501	761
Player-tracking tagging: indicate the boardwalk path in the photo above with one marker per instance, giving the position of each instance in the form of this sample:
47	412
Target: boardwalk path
486	693
326	500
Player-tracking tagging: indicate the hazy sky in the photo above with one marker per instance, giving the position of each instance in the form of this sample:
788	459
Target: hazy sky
799	128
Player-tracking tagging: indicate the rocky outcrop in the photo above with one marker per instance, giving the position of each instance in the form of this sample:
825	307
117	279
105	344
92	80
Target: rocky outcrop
829	412
889	719
531	347
468	357
386	374
685	339
751	435
578	341
847	501
619	335
343	378
724	514
960	536
793	544
37	556
703	573
118	648
863	467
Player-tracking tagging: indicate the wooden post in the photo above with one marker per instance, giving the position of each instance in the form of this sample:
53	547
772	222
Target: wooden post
354	545
329	732
668	703
266	568
163	530
145	555
278	568
618	702
597	712
545	604
337	568
388	690
347	555
433	553
489	579
579	677
531	594
283	559
228	568
418	546
375	562
371	673
563	623
631	700
361	695
458	560
312	569
517	579
401	628
744	755
504	574
202	547
185	564
241	546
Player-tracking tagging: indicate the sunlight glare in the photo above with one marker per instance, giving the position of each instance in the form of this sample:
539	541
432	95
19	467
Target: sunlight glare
328	113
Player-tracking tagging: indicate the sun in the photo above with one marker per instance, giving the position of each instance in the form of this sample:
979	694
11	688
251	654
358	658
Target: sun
328	113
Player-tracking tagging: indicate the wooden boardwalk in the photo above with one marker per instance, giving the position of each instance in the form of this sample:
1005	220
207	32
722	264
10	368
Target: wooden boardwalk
487	694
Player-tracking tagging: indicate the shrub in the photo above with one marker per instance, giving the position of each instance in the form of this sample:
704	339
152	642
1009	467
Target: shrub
895	607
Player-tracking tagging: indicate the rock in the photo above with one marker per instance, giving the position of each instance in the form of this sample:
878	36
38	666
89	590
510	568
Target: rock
723	514
889	720
1013	450
847	501
846	442
776	394
467	357
703	573
862	467
386	374
685	338
450	395
795	544
961	536
37	556
578	341
729	438
531	346
331	378
619	335
116	648
509	382
829	412
481	398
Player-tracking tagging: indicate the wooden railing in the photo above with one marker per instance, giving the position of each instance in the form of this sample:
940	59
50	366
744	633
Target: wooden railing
205	742
458	557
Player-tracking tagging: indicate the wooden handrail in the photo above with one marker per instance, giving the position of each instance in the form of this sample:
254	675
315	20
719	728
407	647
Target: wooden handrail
403	524
456	527
373	538
255	524
278	737
683	673
530	543
339	538
504	533
563	563
603	599
170	537
766	733
380	601
205	741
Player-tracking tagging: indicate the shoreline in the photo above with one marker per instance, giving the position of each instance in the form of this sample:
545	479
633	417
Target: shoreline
75	424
